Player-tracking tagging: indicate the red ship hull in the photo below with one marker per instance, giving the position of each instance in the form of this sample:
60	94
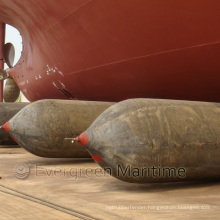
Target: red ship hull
115	50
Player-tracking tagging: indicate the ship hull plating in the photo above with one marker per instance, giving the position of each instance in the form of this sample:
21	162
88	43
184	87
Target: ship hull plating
115	50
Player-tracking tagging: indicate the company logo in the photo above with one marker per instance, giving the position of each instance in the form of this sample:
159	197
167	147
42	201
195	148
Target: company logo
21	171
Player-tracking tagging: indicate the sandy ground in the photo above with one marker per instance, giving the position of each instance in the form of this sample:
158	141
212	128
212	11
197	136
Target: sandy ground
78	189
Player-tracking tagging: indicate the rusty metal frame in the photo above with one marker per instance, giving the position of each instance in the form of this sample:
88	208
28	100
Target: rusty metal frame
2	41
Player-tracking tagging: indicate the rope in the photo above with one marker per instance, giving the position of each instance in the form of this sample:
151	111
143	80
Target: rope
63	209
